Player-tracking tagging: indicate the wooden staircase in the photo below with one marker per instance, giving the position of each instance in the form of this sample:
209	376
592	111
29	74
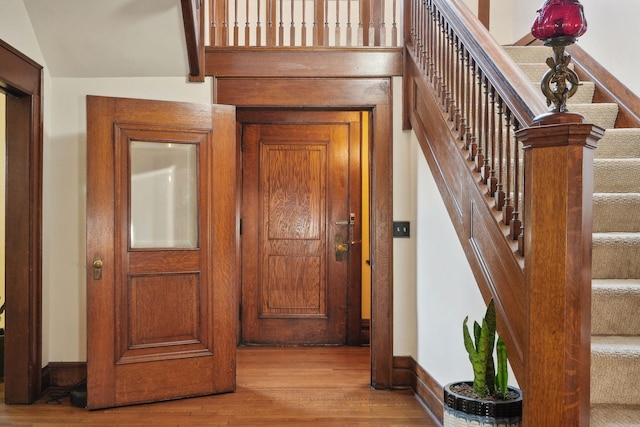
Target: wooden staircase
615	344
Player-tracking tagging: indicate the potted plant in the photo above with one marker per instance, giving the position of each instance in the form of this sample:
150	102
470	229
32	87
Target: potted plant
488	400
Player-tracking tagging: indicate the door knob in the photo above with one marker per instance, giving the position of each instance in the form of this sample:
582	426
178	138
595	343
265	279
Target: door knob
341	247
97	269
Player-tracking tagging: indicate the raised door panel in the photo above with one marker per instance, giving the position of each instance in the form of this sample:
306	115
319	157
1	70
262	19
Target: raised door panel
295	203
161	239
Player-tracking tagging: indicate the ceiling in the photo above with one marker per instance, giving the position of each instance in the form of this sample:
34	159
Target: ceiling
110	38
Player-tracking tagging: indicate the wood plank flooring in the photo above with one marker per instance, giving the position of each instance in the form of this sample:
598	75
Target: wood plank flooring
321	386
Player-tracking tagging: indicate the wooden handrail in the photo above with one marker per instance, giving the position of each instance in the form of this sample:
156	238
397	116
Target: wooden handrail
521	206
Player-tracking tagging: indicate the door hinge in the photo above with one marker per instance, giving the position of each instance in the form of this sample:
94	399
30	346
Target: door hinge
240	227
240	312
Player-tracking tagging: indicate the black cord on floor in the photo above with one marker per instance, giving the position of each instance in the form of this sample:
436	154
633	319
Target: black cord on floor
56	396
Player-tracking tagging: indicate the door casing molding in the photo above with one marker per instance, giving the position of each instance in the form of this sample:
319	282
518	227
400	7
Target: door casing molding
372	94
21	79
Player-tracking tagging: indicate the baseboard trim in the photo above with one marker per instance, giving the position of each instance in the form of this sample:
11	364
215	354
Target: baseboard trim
63	374
365	334
407	373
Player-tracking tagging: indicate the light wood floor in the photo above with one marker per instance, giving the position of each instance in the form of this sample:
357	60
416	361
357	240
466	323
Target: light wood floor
322	386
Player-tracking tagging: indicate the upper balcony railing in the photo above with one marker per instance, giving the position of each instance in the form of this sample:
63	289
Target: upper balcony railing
304	23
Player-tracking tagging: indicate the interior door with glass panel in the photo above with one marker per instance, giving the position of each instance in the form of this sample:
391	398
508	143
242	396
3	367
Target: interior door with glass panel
161	250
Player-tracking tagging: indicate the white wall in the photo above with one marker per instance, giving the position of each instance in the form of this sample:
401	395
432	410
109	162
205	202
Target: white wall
446	289
611	37
404	249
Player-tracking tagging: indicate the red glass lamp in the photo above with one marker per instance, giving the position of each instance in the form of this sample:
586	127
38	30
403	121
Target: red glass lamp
559	19
558	23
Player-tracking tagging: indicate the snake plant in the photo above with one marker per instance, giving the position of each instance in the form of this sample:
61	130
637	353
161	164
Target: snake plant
480	349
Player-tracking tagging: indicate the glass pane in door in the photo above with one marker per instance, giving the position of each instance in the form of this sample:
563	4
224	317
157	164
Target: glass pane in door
163	195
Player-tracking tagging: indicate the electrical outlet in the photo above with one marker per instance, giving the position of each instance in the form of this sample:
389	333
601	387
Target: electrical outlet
401	229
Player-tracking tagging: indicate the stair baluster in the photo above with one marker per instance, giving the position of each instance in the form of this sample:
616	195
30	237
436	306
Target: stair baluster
507	214
478	153
473	146
485	168
467	100
499	193
457	119
493	180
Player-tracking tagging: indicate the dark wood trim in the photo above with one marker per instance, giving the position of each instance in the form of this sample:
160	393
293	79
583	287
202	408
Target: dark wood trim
484	13
429	391
407	373
527	40
45	379
365	331
66	374
558	260
303	62
403	372
372	94
193	19
21	79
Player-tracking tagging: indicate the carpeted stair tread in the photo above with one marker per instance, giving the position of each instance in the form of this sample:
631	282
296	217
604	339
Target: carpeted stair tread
529	54
535	71
615	366
619	143
616	175
601	114
615	306
616	212
615	369
584	94
615	256
615	416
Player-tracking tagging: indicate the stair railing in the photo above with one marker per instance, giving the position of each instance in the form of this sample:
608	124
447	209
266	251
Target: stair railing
521	205
479	90
304	23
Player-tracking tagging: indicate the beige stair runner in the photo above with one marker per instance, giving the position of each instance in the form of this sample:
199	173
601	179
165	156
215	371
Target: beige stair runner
615	343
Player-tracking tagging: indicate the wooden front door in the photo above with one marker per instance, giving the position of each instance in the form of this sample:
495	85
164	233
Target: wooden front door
161	250
300	227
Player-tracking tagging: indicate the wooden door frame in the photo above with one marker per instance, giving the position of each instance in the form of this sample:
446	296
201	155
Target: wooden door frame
21	79
375	95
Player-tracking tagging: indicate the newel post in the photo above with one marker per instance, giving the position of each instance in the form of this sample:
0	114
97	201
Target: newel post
559	152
